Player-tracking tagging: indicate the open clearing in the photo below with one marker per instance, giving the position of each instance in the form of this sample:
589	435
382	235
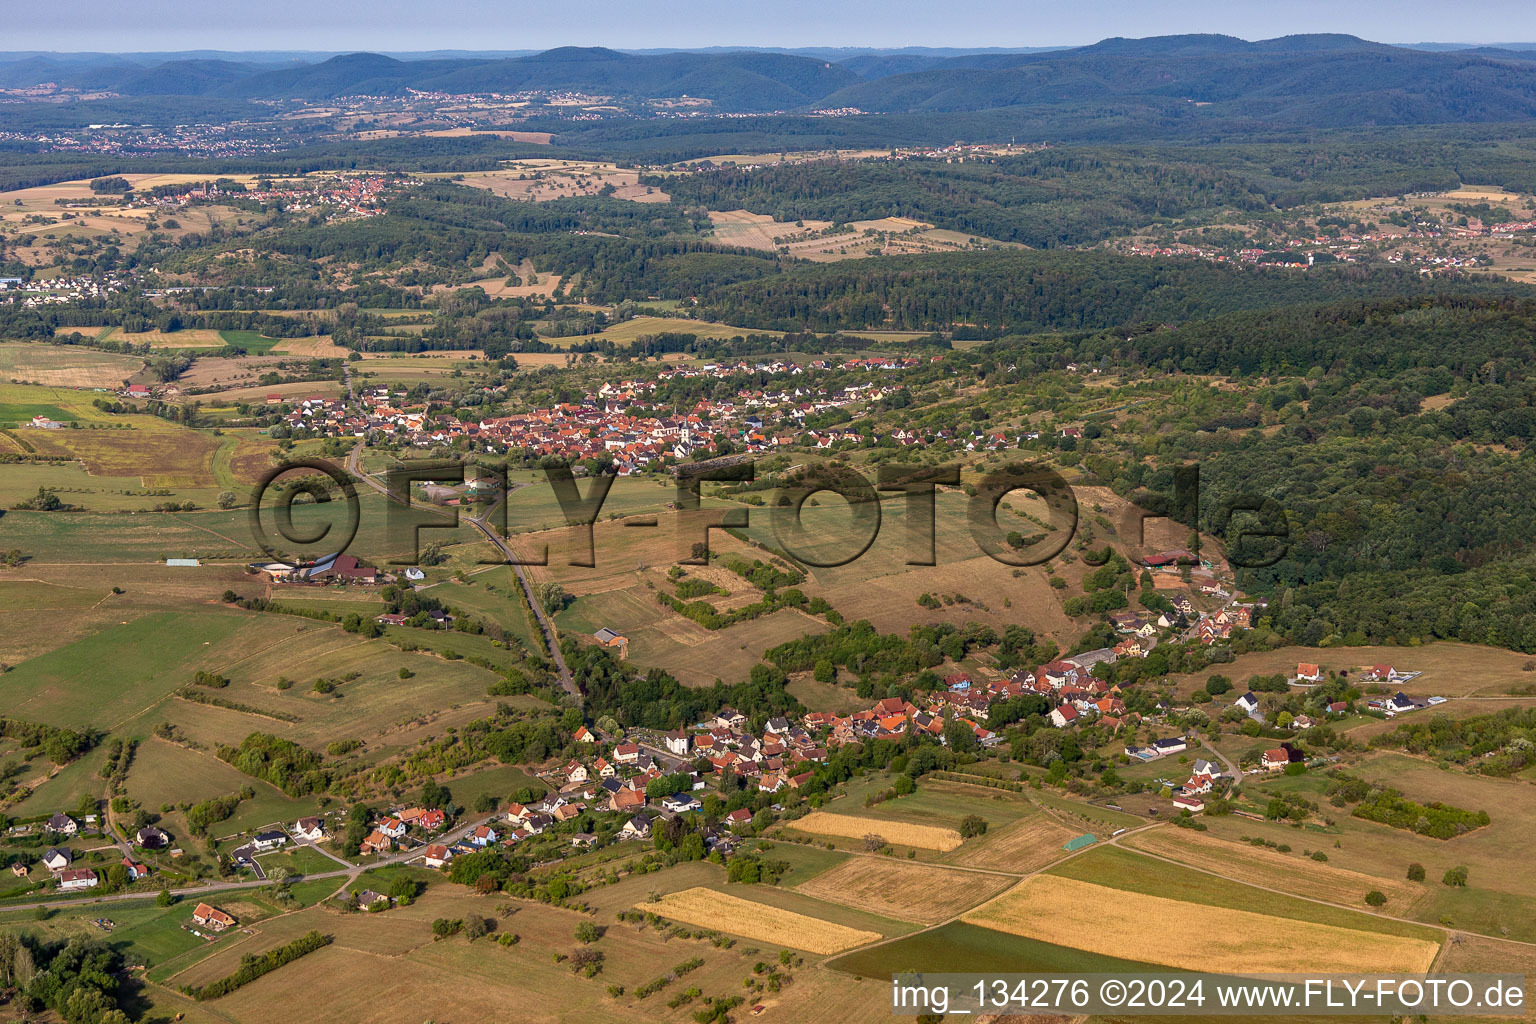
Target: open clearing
710	909
1195	937
66	366
1026	845
905	891
923	837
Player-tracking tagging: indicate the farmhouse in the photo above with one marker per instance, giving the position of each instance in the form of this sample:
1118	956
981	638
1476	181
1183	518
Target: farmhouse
613	640
211	917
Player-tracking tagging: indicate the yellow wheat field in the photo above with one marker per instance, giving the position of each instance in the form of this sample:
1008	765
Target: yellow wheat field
1192	936
711	909
900	833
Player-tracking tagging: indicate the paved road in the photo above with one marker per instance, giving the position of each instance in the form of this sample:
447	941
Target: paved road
546	624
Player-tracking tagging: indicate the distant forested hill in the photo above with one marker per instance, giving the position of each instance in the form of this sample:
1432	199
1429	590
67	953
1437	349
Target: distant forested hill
1022	291
1209	83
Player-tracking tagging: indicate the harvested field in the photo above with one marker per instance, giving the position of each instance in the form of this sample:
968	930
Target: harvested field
65	365
923	837
905	891
1271	868
320	347
710	909
1024	846
1189	936
191	337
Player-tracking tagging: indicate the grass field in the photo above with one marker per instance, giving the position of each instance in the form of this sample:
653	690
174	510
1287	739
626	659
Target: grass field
1449	669
903	890
1190	936
1125	870
967	948
923	837
1272	869
711	909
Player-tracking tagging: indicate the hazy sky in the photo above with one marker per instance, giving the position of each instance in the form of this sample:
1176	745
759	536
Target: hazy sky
112	25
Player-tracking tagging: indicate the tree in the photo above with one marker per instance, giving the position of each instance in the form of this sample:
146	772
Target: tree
226	499
1375	898
1217	685
1456	877
972	825
1415	872
586	931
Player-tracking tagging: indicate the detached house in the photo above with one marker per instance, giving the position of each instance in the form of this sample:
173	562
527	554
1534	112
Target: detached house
63	824
1064	716
211	917
437	856
77	878
1276	759
311	830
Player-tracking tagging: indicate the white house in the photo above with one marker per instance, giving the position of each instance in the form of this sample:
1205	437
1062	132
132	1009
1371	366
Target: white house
269	840
78	878
677	743
309	829
1064	716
